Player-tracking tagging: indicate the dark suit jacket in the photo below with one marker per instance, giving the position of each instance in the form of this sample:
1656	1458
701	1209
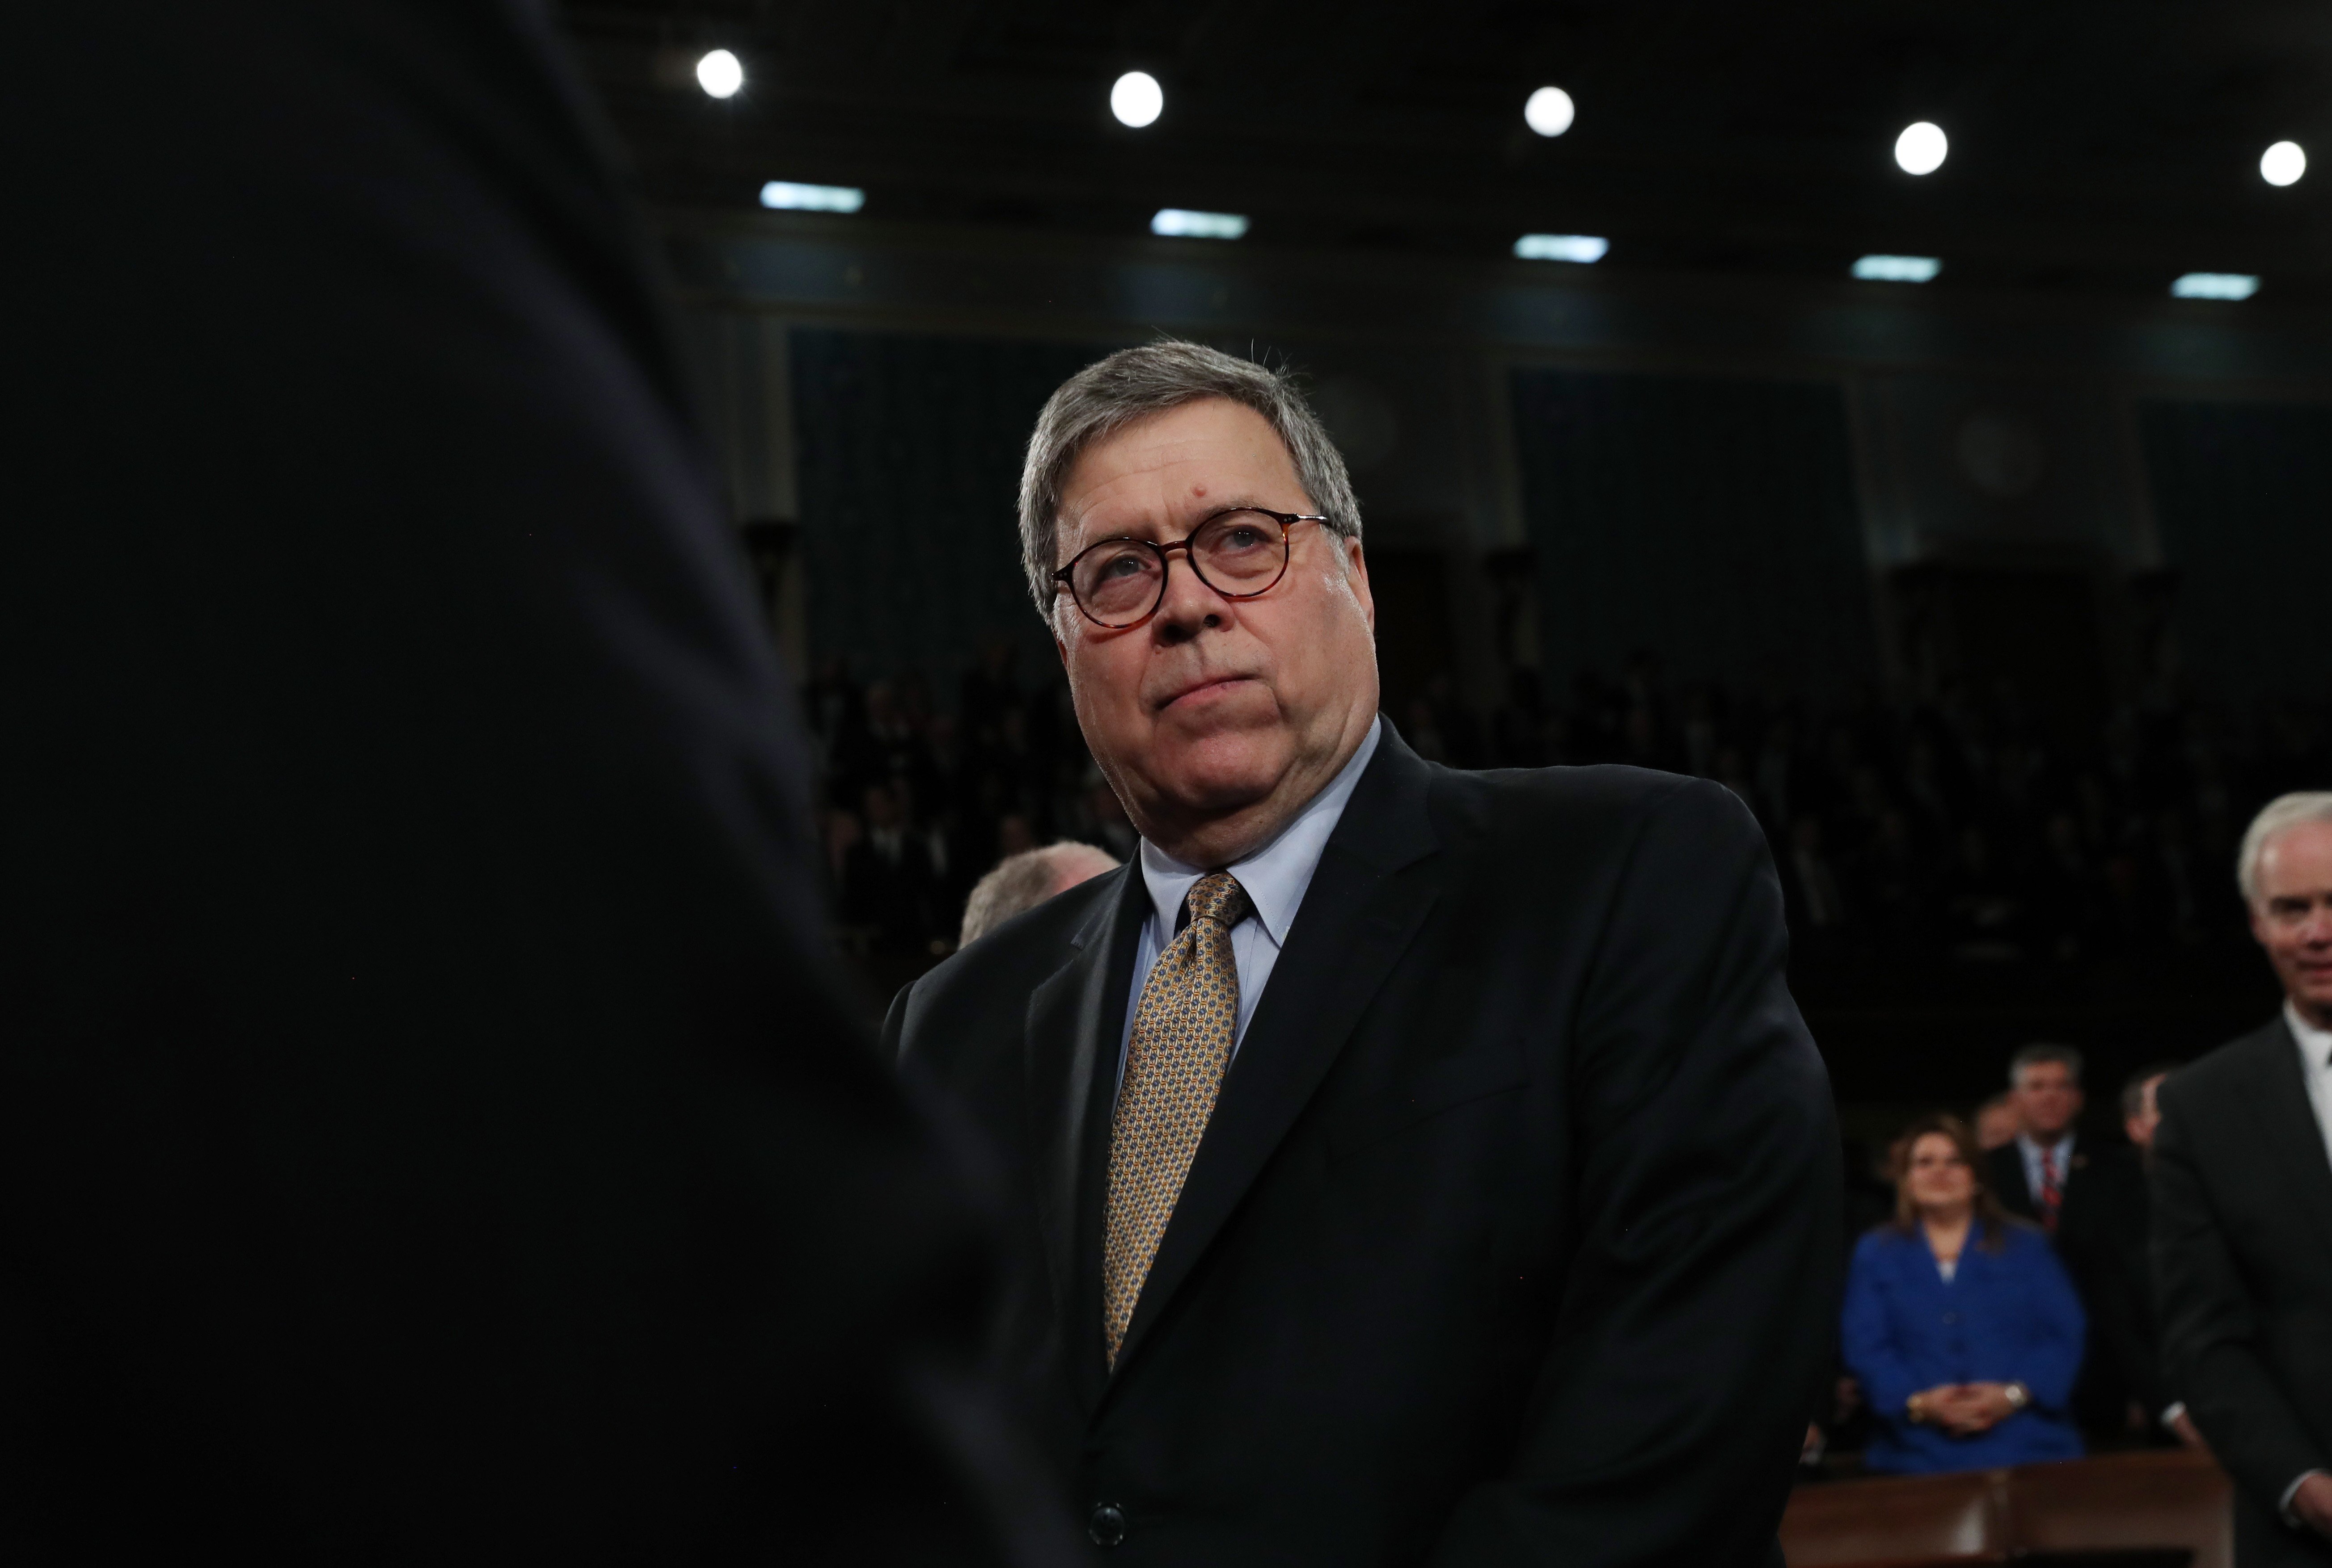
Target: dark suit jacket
2123	1322
427	1129
2242	1258
1514	1236
892	899
2091	1225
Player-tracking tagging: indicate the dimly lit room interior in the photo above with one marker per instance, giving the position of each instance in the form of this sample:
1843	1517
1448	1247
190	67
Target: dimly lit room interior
1950	517
1914	417
568	993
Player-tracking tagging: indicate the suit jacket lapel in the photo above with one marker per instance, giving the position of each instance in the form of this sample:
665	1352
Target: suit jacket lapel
2288	1122
1075	1019
1364	905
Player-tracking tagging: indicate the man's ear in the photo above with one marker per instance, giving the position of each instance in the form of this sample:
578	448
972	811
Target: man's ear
1356	572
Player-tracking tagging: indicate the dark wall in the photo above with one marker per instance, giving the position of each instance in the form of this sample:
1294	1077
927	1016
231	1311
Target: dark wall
2242	496
909	466
1712	520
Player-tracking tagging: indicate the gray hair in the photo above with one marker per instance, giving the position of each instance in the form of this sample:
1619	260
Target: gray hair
2034	1055
1020	883
2283	811
1133	384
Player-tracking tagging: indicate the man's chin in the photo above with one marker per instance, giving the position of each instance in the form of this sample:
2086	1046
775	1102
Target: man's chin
1224	770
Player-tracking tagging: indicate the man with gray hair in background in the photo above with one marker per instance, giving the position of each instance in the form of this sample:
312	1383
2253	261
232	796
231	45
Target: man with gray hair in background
2242	1211
1020	883
1406	1164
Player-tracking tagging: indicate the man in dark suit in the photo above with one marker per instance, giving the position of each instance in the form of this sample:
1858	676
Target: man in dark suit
1409	1164
2122	1319
427	1130
2076	1193
2242	1212
888	882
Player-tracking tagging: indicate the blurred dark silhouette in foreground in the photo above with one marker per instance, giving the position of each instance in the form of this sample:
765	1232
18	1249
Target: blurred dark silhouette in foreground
429	1130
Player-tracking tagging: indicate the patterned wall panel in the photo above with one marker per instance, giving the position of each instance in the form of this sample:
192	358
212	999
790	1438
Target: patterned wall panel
2242	494
1713	521
909	452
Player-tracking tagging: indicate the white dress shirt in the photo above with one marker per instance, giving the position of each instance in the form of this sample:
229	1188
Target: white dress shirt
2315	1068
2059	1159
1274	877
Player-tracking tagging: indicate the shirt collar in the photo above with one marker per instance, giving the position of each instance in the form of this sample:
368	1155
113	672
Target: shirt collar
1275	875
2058	1154
2315	1044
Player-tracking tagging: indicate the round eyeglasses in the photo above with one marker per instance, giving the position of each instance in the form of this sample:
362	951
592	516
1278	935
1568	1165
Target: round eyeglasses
1121	582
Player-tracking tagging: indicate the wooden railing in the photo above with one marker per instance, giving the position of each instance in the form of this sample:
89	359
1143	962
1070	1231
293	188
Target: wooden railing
2145	1510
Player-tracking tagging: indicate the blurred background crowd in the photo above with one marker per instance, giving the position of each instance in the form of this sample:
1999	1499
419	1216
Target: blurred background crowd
1959	829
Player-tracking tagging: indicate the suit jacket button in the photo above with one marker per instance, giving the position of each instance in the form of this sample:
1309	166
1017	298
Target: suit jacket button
1107	1525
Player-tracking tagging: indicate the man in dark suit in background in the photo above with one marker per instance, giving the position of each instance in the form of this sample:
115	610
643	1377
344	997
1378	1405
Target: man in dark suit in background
427	1130
1408	1163
2242	1211
2046	1174
2123	1320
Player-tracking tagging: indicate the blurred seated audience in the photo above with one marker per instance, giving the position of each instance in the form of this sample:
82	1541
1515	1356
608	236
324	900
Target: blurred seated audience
1960	1325
1950	829
888	880
1021	882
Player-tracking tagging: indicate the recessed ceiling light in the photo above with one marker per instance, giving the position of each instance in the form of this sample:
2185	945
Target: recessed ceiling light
1921	148
1136	99
2215	286
1898	269
785	196
1550	112
1581	248
2283	164
720	73
1183	224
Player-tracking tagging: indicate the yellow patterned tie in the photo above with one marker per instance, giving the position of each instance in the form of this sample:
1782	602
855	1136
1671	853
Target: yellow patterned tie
1183	1034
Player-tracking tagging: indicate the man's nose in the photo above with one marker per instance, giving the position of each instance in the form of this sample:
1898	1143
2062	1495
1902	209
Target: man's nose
1190	604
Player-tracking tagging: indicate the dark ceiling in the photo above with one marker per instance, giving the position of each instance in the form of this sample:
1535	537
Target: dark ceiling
2094	146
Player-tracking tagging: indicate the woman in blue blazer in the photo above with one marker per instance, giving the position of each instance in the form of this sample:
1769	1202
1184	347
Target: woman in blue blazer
1960	1322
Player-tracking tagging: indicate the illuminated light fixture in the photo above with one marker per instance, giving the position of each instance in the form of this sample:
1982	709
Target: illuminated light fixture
1550	112
2215	286
2283	164
720	74
785	196
1178	222
1137	99
1581	248
1898	269
1921	148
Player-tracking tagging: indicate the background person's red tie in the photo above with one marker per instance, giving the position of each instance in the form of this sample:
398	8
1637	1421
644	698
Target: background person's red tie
2052	1196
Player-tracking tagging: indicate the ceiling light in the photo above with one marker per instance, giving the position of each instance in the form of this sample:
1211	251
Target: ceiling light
2215	286
785	196
1550	112
721	73
1921	147
1136	99
1581	248
1183	224
1898	269
2283	164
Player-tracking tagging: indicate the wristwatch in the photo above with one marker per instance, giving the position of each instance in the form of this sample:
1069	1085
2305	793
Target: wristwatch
2017	1396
